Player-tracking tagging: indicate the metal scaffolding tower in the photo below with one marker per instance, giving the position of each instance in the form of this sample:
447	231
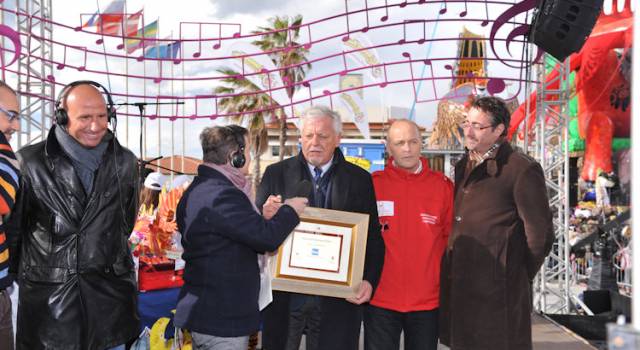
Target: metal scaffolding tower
552	286
35	69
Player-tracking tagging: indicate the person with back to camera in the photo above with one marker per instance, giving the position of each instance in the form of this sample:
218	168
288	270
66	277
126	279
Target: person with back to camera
222	233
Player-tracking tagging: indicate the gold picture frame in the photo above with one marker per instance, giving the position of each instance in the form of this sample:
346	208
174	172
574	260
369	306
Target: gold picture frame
323	255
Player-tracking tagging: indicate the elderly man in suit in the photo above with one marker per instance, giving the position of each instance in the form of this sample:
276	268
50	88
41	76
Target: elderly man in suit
329	323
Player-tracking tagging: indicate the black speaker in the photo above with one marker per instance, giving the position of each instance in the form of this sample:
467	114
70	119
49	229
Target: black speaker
560	27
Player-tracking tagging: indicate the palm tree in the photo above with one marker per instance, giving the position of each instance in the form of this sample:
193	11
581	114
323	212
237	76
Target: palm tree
245	99
284	32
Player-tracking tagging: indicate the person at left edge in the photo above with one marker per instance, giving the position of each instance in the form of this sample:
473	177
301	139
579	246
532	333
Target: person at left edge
69	231
9	124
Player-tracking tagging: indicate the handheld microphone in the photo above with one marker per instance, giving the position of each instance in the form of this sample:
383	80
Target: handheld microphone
303	189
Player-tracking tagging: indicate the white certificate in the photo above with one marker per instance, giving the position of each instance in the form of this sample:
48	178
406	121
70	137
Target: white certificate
323	255
315	250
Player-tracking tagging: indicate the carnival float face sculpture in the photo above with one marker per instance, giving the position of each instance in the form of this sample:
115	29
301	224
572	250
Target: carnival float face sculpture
603	85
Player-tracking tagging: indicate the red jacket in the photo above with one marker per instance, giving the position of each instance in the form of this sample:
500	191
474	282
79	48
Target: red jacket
415	212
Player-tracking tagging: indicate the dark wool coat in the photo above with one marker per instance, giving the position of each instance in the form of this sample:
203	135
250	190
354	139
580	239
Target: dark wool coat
502	231
351	190
221	235
77	281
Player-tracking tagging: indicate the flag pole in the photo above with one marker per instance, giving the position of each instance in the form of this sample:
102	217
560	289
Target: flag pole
104	48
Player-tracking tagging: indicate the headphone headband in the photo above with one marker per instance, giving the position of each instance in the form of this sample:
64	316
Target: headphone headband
61	116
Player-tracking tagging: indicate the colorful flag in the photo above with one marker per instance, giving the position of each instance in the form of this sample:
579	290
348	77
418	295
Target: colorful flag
92	21
149	31
164	51
131	24
111	18
114	8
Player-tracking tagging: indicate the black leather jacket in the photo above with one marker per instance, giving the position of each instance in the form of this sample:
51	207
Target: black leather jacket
70	250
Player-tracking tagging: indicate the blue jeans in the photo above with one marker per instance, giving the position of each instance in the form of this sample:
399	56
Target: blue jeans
382	328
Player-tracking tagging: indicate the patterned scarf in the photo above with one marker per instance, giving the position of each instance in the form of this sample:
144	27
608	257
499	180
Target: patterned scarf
236	177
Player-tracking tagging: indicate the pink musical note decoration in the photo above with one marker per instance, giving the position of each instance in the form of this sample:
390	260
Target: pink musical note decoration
346	11
218	45
386	81
366	12
63	64
308	44
199	51
424	33
464	13
83	66
158	78
443	10
404	33
386	10
344	64
485	22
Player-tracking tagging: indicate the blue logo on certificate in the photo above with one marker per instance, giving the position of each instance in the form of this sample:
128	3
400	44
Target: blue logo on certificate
315	251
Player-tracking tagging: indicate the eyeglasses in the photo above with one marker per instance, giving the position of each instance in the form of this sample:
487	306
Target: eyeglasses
11	115
474	126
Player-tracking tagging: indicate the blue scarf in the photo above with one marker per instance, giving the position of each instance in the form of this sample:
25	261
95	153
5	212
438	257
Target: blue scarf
84	160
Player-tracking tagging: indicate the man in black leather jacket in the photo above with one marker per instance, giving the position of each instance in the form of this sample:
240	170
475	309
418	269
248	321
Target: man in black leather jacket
68	235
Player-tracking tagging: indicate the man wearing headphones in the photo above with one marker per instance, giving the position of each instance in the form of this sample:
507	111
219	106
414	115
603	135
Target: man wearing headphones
222	231
70	227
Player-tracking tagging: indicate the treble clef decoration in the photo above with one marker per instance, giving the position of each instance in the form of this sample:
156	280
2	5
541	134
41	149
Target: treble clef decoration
521	30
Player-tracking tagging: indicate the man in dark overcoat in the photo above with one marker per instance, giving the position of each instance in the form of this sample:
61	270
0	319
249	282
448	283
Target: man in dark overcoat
329	323
502	231
68	234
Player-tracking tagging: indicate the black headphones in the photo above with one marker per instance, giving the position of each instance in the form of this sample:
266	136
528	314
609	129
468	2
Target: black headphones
61	116
237	158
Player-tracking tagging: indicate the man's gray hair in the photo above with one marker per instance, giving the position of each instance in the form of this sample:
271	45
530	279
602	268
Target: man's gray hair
319	112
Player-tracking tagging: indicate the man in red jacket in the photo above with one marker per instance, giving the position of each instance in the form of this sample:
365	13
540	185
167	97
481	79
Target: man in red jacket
415	208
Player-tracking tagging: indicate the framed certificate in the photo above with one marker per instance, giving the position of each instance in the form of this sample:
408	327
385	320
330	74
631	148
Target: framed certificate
324	255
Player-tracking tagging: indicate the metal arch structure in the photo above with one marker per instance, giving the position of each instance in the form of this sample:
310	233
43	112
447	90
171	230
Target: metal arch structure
552	286
33	68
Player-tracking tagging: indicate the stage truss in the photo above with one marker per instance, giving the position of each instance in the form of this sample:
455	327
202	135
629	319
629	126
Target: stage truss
33	70
553	286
